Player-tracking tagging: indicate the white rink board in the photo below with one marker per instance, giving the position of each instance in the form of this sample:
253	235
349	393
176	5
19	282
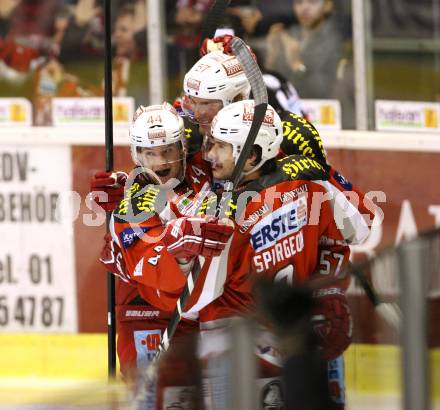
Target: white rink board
37	281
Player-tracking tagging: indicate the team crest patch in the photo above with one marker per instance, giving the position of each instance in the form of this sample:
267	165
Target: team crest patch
272	397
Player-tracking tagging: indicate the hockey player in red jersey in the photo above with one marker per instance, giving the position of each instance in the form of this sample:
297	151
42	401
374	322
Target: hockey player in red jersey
215	81
275	252
301	138
158	149
323	212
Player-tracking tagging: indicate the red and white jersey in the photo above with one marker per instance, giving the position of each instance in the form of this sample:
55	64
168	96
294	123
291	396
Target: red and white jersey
138	216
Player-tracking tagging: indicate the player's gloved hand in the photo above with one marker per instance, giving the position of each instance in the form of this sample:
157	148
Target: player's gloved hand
190	236
111	258
332	322
112	184
220	43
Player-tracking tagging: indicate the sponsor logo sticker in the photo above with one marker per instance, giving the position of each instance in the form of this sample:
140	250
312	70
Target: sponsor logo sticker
129	235
344	182
232	67
157	134
146	344
194	84
248	114
281	223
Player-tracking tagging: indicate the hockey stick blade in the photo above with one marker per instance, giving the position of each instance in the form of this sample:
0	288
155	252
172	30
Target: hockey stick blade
390	312
251	69
213	19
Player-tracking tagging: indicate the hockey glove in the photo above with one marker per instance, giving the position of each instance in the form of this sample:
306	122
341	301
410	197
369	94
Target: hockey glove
220	43
187	237
332	322
111	184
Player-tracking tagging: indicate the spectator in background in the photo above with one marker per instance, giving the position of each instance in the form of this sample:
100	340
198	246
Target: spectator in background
191	12
79	70
129	33
83	36
188	20
129	48
6	9
82	44
307	54
26	29
256	17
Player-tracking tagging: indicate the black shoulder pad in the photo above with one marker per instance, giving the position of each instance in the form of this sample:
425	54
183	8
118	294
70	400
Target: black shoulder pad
300	137
293	167
193	137
296	167
140	203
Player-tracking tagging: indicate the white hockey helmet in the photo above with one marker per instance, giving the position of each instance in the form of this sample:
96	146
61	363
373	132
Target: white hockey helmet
217	76
232	125
157	126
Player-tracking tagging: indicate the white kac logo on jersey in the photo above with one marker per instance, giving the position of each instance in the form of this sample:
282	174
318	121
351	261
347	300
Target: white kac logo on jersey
288	219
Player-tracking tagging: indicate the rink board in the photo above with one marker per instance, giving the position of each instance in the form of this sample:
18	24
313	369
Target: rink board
41	359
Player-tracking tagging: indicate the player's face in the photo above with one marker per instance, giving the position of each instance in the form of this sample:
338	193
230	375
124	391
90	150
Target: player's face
204	111
311	12
164	161
219	154
124	33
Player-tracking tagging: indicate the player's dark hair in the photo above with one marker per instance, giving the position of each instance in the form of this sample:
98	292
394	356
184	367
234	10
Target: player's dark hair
269	166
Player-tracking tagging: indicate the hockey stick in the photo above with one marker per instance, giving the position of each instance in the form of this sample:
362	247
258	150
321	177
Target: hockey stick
111	325
390	312
259	91
213	19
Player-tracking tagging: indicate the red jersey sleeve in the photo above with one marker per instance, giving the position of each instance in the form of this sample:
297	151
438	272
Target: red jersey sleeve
148	263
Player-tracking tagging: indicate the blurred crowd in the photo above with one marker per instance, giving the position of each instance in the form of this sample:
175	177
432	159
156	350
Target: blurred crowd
55	47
